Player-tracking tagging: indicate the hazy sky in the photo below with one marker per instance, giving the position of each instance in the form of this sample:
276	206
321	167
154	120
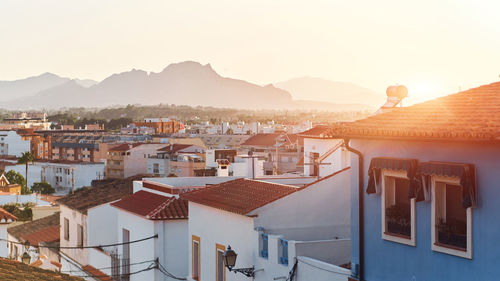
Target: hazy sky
431	46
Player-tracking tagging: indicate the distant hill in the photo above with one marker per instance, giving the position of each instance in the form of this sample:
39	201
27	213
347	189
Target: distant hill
318	89
29	86
185	83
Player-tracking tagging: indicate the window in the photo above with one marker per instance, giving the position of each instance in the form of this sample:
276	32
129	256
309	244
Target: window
125	254
196	264
451	222
263	245
66	229
220	270
79	235
283	251
398	211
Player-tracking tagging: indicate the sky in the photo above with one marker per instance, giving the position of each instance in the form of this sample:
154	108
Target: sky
432	47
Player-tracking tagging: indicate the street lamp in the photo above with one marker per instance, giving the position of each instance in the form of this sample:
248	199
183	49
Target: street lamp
229	257
26	258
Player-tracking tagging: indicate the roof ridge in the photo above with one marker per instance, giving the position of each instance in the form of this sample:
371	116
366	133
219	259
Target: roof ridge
160	207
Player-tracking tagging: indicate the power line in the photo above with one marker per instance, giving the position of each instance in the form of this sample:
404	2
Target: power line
165	271
150	267
110	267
83	247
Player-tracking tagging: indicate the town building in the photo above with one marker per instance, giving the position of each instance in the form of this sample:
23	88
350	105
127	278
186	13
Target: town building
282	151
271	227
126	160
161	125
86	218
6	219
323	155
424	190
176	159
27	238
11	143
23	120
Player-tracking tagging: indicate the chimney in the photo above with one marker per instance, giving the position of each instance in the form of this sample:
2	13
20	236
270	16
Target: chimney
395	95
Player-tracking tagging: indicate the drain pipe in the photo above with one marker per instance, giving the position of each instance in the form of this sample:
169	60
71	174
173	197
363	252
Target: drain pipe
361	218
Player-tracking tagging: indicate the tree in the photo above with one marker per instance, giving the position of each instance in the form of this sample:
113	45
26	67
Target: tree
15	178
25	158
42	187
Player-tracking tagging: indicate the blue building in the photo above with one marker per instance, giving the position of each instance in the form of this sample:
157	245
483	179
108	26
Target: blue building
426	190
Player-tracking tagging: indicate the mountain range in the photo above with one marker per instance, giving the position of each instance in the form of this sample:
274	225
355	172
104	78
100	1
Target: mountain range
185	83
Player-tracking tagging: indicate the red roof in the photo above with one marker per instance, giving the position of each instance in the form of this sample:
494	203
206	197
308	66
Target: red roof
4	215
47	235
239	196
94	272
120	147
471	115
270	139
154	206
168	188
175	147
317	131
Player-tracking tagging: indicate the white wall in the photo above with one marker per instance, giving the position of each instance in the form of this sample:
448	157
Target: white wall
311	269
12	144
142	251
320	211
34	172
173	234
74	217
338	160
215	226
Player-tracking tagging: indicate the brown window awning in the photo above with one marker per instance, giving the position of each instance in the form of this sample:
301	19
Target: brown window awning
465	172
395	164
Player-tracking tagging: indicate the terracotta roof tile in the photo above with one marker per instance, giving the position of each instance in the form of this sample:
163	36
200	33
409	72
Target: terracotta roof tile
154	206
270	139
471	115
317	131
23	230
14	270
47	235
97	273
174	147
87	198
239	196
6	216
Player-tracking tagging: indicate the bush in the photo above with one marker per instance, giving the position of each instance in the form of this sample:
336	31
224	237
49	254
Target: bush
43	188
22	212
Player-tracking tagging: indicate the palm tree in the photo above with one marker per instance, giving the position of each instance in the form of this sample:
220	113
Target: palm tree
25	158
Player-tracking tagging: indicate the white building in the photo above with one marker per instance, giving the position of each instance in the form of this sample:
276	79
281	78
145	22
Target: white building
12	144
270	226
63	175
323	155
145	214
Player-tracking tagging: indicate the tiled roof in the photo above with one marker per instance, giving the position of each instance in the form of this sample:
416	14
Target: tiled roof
47	235
317	131
239	196
270	139
23	230
471	115
121	147
154	206
6	216
14	270
174	147
97	273
86	198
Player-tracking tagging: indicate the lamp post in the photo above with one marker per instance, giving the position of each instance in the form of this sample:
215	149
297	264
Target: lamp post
230	260
26	258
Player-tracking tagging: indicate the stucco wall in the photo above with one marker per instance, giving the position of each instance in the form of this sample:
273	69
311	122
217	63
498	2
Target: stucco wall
78	255
216	226
320	211
385	260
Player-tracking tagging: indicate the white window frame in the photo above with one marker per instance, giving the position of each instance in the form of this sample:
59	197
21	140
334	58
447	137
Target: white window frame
386	236
440	181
